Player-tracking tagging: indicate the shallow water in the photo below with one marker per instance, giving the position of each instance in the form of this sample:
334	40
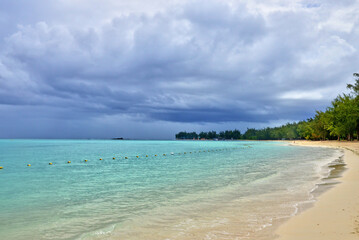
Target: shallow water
203	190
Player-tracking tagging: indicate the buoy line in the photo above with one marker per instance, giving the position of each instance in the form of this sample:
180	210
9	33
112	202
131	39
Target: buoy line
164	154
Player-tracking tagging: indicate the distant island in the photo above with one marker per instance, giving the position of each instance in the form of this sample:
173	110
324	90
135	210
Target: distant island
340	121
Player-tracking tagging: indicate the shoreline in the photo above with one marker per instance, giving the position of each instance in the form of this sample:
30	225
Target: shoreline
335	213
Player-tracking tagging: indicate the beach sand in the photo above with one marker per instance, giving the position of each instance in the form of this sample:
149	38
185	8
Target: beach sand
335	215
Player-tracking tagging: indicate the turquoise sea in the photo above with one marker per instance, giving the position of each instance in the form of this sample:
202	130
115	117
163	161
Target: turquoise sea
197	190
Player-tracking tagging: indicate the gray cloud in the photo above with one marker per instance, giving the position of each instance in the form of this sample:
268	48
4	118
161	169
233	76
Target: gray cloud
198	62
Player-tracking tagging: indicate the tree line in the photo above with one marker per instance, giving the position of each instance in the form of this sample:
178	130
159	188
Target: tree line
228	134
339	121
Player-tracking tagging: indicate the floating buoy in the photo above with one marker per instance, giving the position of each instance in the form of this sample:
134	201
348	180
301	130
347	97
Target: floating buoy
100	159
126	157
50	163
172	153
68	161
164	154
155	155
113	158
184	152
137	156
29	165
146	155
1	167
85	160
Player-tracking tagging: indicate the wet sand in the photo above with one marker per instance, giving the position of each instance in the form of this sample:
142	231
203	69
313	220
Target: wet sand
335	215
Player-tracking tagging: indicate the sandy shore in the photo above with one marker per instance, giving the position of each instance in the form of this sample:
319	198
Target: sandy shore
336	213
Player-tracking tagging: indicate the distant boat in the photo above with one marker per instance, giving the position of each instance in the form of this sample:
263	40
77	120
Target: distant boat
117	138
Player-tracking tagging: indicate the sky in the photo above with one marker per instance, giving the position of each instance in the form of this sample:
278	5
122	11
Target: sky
148	69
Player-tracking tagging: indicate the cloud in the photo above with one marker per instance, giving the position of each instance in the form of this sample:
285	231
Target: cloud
185	62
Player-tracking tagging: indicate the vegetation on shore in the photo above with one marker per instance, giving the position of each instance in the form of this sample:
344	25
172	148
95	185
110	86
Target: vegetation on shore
339	121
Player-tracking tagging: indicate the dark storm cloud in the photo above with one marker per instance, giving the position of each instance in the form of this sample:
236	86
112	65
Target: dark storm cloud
198	61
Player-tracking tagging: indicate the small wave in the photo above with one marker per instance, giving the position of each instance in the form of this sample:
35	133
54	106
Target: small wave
336	162
99	233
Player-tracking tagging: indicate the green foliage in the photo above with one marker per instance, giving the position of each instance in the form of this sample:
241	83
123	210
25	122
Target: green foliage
344	117
186	135
288	131
355	87
228	134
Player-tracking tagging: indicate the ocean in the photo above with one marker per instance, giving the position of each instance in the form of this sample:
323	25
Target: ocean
190	190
